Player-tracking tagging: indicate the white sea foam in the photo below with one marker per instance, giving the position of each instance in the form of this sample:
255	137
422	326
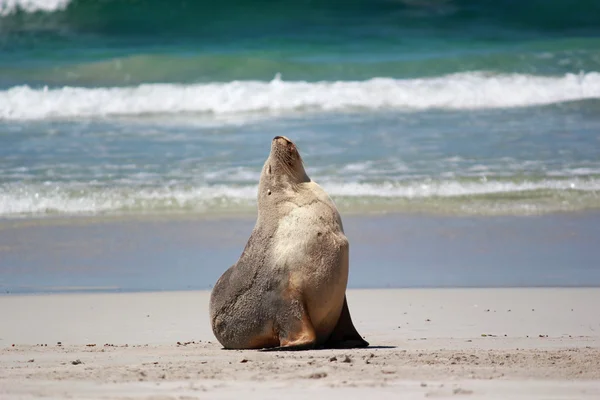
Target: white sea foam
24	200
21	199
418	190
471	90
8	7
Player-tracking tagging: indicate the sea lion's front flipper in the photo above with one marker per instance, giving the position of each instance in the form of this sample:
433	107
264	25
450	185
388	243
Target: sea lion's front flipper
294	327
296	330
297	347
345	335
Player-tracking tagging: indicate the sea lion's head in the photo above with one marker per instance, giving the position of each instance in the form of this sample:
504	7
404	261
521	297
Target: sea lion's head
283	170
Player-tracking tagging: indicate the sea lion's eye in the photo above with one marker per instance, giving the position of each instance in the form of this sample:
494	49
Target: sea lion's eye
268	192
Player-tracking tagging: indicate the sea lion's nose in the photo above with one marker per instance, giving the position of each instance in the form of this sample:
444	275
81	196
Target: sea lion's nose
282	137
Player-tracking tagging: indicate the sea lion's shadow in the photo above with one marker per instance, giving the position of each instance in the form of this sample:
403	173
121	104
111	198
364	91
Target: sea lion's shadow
321	348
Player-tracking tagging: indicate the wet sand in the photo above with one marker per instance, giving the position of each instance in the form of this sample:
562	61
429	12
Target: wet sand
395	250
438	343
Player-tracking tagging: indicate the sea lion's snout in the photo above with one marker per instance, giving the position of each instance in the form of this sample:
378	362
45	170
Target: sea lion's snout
285	155
283	139
282	143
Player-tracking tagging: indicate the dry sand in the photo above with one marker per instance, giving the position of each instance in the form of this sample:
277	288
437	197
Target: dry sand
431	343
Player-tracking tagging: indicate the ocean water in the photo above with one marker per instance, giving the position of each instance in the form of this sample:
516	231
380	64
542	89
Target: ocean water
168	107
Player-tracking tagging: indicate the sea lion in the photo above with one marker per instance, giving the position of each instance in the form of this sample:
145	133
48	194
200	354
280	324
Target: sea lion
288	288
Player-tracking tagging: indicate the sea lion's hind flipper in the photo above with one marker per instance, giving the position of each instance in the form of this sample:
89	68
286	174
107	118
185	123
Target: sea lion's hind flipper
345	335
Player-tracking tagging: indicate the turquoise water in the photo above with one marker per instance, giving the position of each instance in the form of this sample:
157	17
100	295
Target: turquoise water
146	107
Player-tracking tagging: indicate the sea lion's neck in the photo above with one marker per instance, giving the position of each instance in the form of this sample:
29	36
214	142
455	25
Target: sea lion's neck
299	176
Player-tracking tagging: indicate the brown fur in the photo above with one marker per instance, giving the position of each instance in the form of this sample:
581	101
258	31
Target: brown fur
288	287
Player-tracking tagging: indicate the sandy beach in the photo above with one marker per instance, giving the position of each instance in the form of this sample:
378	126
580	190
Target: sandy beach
142	337
459	140
438	343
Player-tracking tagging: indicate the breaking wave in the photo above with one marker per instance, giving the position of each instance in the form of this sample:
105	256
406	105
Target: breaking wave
474	90
8	7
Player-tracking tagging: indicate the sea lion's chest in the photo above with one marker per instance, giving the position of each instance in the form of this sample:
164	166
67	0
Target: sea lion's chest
311	251
310	236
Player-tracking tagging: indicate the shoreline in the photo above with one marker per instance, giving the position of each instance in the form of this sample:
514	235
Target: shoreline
85	219
118	291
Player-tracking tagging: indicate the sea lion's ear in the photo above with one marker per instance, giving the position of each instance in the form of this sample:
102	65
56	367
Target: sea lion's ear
269	169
